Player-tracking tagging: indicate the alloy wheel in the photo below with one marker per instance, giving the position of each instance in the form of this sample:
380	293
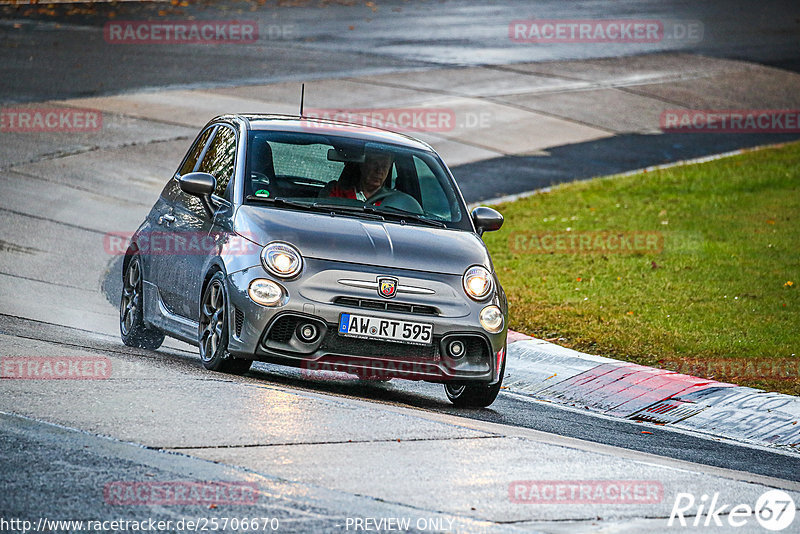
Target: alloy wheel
131	297
212	320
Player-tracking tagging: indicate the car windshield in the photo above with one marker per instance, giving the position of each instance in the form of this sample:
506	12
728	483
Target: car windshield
351	176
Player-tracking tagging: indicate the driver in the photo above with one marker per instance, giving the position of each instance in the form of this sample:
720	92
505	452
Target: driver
369	180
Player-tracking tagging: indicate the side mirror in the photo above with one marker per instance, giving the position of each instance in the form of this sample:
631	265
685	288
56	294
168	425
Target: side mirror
199	184
486	219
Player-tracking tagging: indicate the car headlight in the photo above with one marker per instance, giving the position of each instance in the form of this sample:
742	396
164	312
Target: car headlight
281	259
265	292
477	282
492	319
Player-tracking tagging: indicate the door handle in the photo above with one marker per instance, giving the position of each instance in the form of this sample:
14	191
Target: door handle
168	218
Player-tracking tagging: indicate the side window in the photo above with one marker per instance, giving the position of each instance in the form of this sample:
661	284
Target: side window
392	181
434	199
194	152
219	159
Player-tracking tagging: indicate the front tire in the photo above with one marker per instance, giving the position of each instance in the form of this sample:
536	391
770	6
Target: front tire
132	328
213	333
475	395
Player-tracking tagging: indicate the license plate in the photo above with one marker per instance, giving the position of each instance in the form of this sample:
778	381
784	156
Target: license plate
364	327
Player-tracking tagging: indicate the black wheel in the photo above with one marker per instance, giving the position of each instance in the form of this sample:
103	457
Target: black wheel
213	334
475	395
132	329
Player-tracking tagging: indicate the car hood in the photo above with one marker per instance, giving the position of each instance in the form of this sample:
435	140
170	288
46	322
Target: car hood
364	241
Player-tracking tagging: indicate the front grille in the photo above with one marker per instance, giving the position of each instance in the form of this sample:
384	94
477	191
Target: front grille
385	305
336	344
238	318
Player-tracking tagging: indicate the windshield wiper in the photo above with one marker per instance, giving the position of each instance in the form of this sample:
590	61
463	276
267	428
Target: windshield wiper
347	207
405	215
368	211
278	201
315	206
382	213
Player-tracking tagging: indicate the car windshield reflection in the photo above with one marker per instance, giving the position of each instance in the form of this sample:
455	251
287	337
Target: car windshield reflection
342	174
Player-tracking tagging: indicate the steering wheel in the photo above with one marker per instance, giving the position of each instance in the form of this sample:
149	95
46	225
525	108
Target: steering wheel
397	200
380	196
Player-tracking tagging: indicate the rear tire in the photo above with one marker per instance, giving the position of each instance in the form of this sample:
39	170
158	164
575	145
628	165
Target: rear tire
132	329
475	395
213	332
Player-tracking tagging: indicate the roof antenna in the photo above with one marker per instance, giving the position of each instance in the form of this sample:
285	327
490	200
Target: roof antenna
302	97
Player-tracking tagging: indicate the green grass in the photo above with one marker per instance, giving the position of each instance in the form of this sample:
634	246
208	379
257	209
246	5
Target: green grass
717	293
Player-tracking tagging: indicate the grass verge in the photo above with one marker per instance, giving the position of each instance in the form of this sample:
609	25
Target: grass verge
693	268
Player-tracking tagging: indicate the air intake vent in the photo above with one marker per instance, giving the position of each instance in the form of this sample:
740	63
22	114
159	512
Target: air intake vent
283	329
238	319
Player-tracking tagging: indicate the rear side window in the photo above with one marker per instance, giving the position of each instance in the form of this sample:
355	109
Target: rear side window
219	159
194	152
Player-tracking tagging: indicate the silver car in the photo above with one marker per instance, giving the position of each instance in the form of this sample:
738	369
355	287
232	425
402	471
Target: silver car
322	245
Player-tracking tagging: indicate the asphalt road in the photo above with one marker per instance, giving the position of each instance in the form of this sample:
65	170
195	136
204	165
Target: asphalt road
286	433
319	451
53	54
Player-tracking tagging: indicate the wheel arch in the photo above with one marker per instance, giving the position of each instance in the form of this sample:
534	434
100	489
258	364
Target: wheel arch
133	248
213	269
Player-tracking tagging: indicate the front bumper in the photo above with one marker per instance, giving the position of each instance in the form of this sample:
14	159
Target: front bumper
318	297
